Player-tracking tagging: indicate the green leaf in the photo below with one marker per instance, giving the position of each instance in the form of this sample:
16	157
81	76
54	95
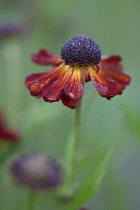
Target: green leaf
91	184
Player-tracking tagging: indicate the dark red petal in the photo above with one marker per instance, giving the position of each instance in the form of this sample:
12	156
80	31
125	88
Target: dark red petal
112	59
53	91
44	57
36	82
118	76
122	80
70	103
75	86
56	100
9	136
87	75
111	63
6	134
34	77
104	87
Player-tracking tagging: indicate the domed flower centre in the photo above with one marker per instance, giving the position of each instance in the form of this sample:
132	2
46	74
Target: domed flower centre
81	50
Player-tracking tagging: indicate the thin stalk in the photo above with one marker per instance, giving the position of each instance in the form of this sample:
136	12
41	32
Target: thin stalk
76	139
30	200
72	153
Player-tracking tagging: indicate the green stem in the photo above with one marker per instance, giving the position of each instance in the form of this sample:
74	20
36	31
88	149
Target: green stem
30	201
72	150
76	139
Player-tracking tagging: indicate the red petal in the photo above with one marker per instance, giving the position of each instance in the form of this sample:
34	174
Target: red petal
87	75
112	59
104	87
70	103
122	80
111	63
75	86
44	57
36	82
53	91
9	136
5	134
34	77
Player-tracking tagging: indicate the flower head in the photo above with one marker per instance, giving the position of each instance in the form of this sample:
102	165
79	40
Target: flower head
80	62
37	171
6	134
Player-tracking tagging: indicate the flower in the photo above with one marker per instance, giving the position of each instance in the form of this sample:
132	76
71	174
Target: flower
80	62
7	135
37	171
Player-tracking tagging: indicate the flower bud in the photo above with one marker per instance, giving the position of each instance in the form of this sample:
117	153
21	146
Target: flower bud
37	171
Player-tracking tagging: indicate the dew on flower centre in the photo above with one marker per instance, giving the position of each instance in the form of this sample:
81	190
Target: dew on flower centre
81	50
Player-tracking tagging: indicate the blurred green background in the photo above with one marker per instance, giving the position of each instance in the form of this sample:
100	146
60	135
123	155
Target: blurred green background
45	127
